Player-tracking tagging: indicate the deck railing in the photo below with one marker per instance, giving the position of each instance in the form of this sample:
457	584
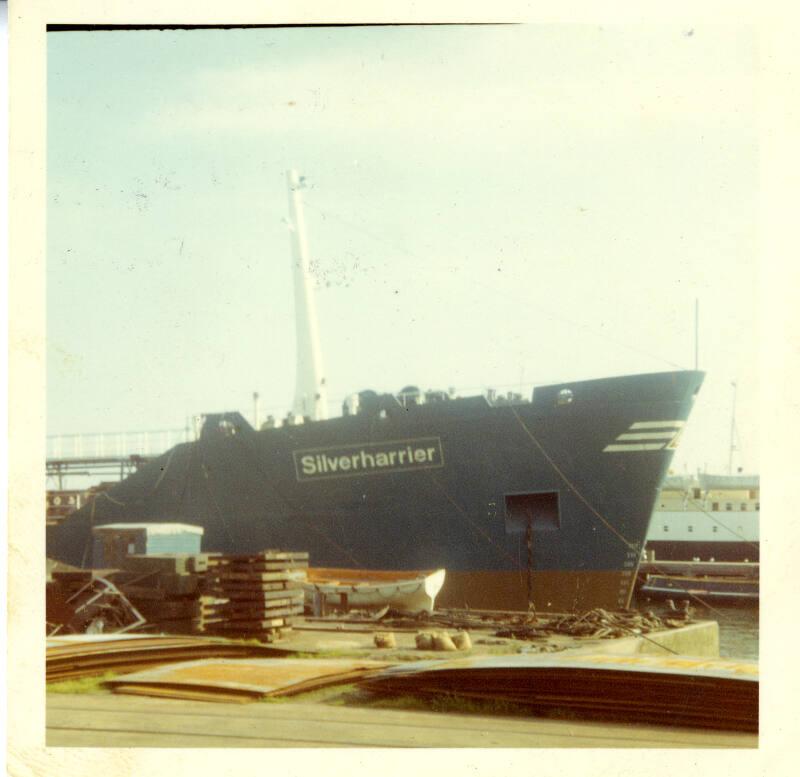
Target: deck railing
105	444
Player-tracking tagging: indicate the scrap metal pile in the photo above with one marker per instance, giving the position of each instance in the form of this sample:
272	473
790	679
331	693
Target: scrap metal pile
593	624
256	596
87	602
151	592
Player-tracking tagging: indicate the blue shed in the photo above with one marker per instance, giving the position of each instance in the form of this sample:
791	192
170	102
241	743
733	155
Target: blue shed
112	543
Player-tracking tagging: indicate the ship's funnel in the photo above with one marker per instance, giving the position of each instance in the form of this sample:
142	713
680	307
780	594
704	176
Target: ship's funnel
310	399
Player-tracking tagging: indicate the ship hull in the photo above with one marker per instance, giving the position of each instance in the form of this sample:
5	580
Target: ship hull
461	485
710	587
689	534
718	551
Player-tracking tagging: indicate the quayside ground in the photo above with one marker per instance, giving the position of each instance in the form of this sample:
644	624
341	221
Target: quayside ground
107	720
85	714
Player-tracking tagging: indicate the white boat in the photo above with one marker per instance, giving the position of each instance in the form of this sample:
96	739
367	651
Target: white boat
410	591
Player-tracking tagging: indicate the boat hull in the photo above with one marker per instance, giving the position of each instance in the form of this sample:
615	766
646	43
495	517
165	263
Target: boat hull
718	551
570	472
717	588
414	592
708	517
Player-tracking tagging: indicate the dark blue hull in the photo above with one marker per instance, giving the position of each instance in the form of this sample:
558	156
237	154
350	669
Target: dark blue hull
466	485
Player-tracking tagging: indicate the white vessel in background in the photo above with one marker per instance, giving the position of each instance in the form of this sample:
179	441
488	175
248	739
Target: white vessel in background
706	517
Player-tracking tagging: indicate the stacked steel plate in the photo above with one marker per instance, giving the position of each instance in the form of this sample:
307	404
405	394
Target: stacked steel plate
674	690
242	679
256	596
85	655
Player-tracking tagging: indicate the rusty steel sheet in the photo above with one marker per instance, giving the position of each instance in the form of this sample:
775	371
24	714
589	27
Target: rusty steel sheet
675	690
672	665
244	679
84	655
84	644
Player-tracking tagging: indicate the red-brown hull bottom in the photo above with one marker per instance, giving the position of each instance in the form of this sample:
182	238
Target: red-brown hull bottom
554	591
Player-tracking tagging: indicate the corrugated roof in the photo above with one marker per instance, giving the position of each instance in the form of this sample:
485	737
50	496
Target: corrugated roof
677	482
728	482
153	528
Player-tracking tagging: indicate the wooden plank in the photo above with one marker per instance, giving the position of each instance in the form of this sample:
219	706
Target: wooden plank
263	566
257	595
264	555
251	625
234	586
286	563
178	626
283	593
238	612
139	592
178	585
249	582
82	575
266	577
160	610
168	563
240	606
254	614
265	637
254	592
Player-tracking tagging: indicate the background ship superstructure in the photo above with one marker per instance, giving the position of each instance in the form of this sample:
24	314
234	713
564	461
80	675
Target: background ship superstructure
707	517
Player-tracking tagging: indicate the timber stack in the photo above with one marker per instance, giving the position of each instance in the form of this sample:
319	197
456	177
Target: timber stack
166	588
256	596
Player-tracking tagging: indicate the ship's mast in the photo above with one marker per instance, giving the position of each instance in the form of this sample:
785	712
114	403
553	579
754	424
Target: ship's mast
733	432
310	398
732	447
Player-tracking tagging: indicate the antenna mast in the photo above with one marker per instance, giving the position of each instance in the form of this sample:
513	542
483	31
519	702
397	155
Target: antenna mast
733	431
310	399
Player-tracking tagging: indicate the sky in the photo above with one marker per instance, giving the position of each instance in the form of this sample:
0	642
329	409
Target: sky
487	206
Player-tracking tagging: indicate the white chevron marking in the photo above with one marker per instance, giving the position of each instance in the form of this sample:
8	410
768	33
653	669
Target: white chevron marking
647	436
657	424
649	446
